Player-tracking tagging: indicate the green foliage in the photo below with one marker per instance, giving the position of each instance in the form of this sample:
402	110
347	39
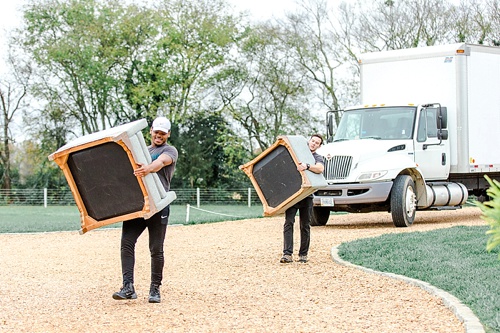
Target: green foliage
111	63
193	38
491	213
80	48
13	175
39	171
264	89
453	259
209	153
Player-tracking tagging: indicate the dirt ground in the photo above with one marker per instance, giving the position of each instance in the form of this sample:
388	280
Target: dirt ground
221	277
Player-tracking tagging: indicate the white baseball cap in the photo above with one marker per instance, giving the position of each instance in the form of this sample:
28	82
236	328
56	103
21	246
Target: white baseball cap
161	124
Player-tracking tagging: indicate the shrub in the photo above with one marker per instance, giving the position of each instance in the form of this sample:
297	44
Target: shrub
491	213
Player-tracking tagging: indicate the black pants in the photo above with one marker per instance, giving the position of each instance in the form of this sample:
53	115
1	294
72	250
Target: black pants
131	230
305	210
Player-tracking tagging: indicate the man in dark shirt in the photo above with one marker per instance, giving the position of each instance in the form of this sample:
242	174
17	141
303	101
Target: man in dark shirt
164	159
304	207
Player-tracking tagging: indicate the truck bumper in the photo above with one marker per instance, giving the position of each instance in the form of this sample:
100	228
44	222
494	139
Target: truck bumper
347	194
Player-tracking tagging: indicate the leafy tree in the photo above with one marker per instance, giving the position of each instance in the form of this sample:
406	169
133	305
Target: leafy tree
209	153
393	25
318	48
80	48
13	95
194	37
52	135
264	90
471	22
105	63
99	64
36	171
493	10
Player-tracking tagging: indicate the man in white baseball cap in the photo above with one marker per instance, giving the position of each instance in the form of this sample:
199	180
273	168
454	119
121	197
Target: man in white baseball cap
161	124
164	159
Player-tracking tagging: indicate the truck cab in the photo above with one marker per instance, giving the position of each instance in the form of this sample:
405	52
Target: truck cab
386	158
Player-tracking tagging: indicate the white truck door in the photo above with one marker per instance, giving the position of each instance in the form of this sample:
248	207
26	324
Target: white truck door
431	156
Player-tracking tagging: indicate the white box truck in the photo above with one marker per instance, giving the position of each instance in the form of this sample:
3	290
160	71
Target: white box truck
423	138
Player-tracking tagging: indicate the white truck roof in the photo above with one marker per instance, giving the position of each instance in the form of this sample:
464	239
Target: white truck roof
425	52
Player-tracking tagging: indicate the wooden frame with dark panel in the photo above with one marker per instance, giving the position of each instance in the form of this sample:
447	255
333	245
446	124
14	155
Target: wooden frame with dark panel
99	169
89	222
275	177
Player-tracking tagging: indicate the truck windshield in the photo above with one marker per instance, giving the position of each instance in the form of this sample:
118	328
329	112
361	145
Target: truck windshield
386	123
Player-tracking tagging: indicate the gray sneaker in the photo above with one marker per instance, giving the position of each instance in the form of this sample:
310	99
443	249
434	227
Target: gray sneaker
287	258
303	259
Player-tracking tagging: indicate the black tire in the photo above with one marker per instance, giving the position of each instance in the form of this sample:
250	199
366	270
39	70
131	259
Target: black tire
403	201
319	216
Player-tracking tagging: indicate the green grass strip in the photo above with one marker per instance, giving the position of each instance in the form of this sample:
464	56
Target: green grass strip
454	260
24	219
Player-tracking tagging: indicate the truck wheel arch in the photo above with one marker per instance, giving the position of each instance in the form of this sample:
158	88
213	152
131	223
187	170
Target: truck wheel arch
420	188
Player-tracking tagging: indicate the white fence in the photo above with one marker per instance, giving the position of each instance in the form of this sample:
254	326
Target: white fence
194	197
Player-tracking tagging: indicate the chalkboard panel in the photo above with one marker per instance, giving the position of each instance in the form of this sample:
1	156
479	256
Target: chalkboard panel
105	180
277	176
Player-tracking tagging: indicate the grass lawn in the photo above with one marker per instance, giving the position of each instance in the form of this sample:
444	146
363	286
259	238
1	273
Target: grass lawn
454	260
20	219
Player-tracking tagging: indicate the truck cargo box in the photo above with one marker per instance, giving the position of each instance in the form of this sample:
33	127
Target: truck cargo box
463	77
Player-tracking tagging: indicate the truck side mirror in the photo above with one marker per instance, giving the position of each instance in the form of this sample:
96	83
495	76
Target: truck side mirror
330	119
442	134
442	117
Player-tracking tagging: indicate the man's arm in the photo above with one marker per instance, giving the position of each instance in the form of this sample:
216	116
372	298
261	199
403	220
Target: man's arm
316	168
155	166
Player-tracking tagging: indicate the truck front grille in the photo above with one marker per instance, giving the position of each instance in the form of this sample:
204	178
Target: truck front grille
337	167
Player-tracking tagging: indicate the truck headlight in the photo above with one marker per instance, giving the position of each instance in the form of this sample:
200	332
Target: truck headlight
371	175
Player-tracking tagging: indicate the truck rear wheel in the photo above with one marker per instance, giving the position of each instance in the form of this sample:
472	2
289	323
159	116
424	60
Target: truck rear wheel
403	201
319	216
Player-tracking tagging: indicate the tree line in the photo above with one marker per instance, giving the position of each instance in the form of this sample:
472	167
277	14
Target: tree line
229	84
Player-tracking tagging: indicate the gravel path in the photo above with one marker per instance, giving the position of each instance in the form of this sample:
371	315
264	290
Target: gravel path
221	277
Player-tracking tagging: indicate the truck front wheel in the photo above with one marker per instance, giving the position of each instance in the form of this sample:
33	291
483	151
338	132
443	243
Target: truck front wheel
319	216
403	201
